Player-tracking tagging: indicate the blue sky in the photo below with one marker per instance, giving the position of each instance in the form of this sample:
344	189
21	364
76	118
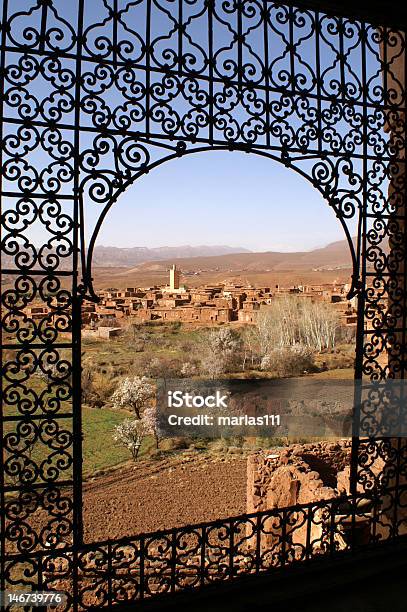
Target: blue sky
220	197
215	197
237	199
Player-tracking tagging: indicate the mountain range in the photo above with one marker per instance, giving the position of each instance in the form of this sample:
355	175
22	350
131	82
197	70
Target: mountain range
334	255
219	258
130	257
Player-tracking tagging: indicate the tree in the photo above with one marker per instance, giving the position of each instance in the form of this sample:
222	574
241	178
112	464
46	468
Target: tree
130	434
318	324
289	361
277	326
291	321
157	368
134	393
221	350
213	364
251	346
97	387
151	423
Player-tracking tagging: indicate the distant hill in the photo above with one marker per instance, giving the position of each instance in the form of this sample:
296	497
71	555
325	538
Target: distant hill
130	257
334	256
192	259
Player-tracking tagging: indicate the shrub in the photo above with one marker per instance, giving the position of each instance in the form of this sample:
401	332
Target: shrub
188	369
176	443
289	361
103	385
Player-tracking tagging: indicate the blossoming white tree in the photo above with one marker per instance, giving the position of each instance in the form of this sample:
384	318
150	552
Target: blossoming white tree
221	347
130	434
134	393
150	418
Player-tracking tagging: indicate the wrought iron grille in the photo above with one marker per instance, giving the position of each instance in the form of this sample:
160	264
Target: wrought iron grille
94	95
103	574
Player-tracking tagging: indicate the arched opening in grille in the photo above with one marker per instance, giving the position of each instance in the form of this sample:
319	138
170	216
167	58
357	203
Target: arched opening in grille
250	239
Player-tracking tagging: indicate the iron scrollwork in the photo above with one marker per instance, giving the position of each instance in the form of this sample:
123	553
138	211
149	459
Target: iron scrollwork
96	94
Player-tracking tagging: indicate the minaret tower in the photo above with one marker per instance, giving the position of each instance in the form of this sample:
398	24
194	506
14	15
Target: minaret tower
174	278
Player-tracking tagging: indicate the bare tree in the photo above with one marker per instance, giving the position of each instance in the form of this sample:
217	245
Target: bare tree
278	325
292	321
251	346
318	324
213	364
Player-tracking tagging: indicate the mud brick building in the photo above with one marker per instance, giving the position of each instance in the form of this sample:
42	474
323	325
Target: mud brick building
206	305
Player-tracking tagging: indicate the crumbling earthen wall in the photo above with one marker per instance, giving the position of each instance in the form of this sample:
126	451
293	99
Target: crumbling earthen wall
300	474
313	467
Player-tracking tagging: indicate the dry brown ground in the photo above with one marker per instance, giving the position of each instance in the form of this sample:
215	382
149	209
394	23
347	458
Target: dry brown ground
120	278
125	277
189	488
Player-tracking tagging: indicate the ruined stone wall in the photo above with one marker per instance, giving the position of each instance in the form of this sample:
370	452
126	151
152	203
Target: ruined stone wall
301	473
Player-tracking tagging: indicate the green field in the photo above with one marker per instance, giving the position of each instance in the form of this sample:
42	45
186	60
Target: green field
99	450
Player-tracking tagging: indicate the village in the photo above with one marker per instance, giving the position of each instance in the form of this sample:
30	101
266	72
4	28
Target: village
202	306
215	304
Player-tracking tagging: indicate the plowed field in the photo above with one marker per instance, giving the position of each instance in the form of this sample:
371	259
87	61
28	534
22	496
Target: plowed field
171	492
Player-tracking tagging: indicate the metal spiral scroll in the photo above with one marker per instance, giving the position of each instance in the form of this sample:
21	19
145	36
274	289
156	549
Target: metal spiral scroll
97	93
